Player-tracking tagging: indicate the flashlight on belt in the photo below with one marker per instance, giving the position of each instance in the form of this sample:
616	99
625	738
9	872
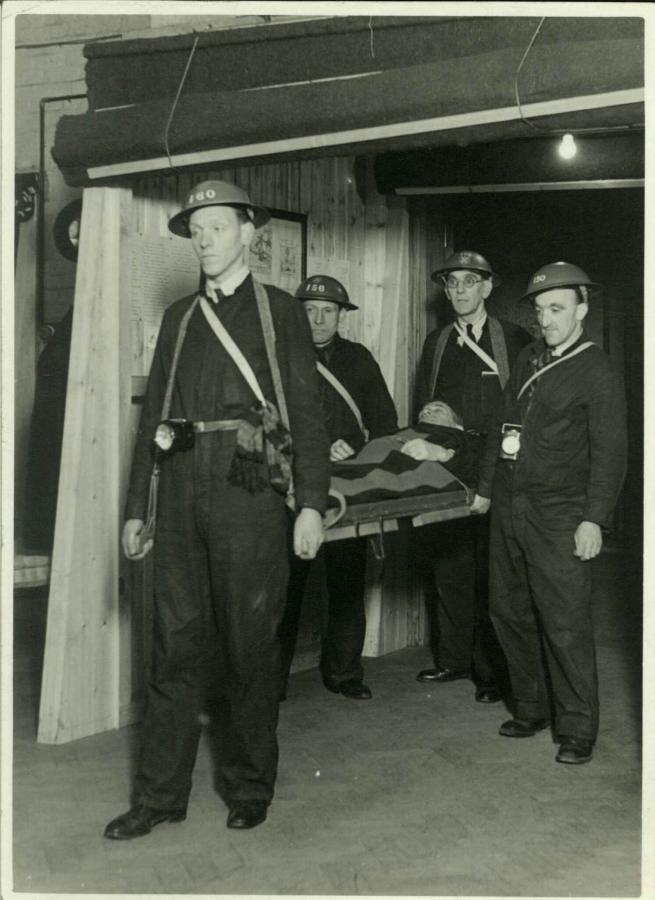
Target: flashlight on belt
174	434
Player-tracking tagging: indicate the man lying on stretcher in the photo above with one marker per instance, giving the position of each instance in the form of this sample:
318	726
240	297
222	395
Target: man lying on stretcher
402	464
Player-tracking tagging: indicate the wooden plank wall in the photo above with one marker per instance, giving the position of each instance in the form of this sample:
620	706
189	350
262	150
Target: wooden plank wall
97	644
80	685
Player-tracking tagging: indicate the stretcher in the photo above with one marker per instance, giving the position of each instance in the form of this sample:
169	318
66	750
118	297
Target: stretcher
381	487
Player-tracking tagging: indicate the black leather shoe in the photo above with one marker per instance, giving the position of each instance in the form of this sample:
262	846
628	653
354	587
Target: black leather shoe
487	695
442	674
247	814
574	751
140	820
355	690
518	728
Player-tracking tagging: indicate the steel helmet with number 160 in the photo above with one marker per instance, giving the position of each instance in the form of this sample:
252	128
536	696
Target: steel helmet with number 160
215	193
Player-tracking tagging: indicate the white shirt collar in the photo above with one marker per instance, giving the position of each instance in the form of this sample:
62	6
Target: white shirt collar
557	351
230	284
478	325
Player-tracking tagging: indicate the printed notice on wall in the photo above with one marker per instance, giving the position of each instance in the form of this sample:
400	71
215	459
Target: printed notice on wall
276	254
163	270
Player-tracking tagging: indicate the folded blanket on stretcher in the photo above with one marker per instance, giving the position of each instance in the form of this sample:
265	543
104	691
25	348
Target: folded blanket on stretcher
380	471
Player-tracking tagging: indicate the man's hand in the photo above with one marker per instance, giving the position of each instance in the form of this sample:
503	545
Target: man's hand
130	540
340	450
480	505
588	540
307	533
420	450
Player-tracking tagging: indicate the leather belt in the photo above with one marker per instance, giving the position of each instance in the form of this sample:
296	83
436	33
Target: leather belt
217	425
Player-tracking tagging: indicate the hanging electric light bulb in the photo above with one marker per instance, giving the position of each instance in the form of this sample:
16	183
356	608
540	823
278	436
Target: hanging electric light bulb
567	148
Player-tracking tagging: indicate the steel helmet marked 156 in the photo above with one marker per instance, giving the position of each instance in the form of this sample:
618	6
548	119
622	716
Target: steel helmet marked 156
215	193
558	275
323	287
465	259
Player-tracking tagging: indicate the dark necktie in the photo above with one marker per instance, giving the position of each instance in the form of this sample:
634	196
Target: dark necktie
469	332
323	355
545	357
216	297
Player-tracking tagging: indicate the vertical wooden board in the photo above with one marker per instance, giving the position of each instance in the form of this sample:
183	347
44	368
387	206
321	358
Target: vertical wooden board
169	203
340	176
293	200
305	188
374	263
130	601
80	689
356	256
328	191
24	361
392	357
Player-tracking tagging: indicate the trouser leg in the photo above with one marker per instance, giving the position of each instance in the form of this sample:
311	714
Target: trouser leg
343	641
249	571
561	587
180	671
454	570
489	665
514	619
288	631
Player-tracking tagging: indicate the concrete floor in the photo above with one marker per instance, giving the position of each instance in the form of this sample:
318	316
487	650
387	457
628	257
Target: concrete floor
413	793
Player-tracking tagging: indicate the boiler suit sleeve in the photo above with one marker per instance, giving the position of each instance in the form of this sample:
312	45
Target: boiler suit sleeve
607	445
311	443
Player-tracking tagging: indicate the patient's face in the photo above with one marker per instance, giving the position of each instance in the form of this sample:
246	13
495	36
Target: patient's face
438	413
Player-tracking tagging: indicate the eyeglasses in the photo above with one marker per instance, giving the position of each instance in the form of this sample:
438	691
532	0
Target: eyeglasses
468	281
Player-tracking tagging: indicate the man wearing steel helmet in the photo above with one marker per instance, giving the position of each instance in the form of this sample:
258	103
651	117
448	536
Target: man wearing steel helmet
466	364
357	407
559	452
221	553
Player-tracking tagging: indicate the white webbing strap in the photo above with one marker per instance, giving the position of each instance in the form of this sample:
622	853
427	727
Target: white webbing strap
476	348
555	362
343	391
231	347
264	307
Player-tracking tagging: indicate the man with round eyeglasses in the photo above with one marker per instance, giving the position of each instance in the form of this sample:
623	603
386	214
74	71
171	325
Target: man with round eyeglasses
466	364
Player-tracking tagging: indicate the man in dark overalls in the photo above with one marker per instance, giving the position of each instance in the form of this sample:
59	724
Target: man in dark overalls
220	551
466	364
560	443
357	407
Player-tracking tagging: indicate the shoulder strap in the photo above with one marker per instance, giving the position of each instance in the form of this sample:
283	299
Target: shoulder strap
181	334
343	391
264	307
499	349
555	362
226	340
476	348
442	340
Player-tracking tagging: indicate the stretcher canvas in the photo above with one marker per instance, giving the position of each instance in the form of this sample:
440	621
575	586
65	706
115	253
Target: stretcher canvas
381	484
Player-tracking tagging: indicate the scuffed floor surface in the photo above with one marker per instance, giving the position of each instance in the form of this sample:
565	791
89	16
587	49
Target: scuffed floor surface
412	793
